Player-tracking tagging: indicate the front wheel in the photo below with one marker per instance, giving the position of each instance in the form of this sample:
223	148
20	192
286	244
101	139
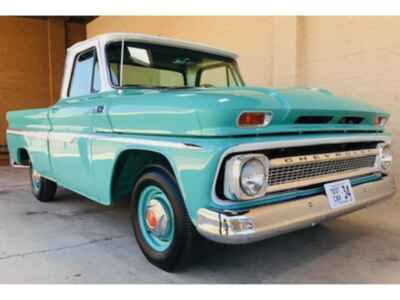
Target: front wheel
160	222
42	188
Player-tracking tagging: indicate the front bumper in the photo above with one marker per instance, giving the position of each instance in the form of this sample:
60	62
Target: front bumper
275	219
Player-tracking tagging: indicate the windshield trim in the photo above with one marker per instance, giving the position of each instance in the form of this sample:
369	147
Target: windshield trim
123	41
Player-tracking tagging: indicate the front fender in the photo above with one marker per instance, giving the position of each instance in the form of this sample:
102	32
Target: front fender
194	163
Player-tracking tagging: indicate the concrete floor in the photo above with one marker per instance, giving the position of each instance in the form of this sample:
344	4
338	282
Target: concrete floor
74	240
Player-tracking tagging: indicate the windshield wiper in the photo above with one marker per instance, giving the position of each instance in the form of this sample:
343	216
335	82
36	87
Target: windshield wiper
161	87
184	87
141	86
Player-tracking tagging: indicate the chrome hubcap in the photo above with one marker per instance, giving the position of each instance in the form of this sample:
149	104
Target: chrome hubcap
156	218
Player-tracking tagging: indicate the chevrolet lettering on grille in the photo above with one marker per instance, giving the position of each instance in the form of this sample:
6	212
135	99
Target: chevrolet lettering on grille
299	171
322	157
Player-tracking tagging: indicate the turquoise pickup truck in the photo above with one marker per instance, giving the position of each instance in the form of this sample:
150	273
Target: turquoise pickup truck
171	126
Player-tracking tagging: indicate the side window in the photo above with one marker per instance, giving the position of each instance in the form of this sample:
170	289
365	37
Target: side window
220	76
85	79
151	76
214	77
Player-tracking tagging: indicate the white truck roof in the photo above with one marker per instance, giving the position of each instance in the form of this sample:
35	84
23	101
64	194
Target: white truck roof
115	36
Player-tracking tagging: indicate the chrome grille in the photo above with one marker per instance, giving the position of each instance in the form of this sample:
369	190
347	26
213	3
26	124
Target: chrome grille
298	171
282	175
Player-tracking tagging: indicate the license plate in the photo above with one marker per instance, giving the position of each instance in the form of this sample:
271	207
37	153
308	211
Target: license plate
339	193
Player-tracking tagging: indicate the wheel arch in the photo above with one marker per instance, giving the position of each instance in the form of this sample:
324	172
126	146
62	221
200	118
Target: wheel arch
23	157
131	164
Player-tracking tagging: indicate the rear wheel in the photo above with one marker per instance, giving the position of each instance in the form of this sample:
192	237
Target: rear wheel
160	222
43	189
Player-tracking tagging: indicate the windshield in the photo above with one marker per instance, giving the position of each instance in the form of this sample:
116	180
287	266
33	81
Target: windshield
155	66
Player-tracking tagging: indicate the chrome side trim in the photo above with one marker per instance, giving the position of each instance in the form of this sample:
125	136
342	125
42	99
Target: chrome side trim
72	137
271	220
34	134
158	143
288	144
14	131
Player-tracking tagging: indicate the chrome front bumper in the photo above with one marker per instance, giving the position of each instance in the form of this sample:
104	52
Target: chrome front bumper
275	219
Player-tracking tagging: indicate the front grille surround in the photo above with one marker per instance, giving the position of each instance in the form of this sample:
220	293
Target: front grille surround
299	167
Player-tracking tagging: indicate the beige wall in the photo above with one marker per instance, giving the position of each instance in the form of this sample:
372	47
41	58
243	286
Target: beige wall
357	57
251	39
24	75
32	54
351	56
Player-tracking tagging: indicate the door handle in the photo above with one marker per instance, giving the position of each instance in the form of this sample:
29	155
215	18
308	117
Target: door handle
99	109
54	109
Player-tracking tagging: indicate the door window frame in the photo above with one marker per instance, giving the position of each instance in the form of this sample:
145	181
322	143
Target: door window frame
76	58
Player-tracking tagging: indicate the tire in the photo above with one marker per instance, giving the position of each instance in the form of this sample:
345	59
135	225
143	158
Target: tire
165	241
43	189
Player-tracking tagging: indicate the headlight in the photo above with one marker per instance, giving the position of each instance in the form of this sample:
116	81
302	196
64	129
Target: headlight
380	121
385	157
252	177
246	177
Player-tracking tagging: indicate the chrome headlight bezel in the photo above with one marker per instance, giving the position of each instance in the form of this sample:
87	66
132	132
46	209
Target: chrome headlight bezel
385	156
233	171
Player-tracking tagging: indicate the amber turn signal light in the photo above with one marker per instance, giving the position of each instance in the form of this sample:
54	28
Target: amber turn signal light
253	119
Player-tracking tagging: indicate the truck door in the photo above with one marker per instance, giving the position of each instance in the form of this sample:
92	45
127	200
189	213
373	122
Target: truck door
72	127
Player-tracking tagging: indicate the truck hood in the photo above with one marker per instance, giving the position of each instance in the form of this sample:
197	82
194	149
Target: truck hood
214	112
